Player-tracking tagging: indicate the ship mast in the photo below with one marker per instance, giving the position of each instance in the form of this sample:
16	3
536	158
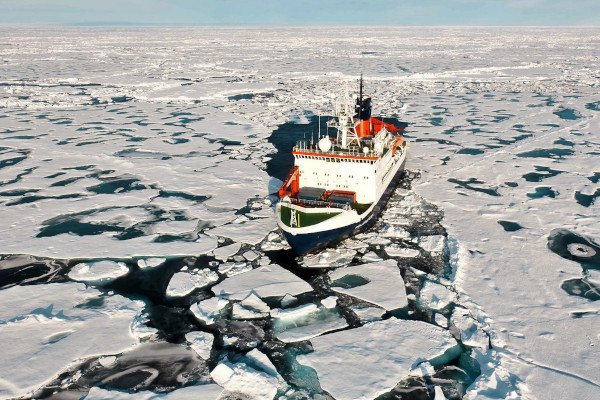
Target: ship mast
345	123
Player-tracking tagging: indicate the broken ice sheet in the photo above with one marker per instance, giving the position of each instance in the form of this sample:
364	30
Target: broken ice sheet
183	283
207	311
201	343
224	252
329	258
47	327
379	283
388	350
435	296
251	307
305	321
98	272
208	391
266	281
151	262
253	376
470	330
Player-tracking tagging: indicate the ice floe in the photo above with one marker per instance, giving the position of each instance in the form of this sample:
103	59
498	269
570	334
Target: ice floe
470	330
207	311
201	343
266	281
184	282
435	296
208	391
250	307
389	350
329	258
98	272
254	377
305	322
379	283
152	262
47	327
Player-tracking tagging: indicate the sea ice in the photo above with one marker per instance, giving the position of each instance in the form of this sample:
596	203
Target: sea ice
201	343
208	391
381	283
371	257
266	281
47	327
394	250
250	255
251	232
435	296
98	272
388	349
223	253
329	258
184	282
253	377
433	244
250	307
304	322
329	302
287	300
368	314
470	331
150	262
441	320
207	311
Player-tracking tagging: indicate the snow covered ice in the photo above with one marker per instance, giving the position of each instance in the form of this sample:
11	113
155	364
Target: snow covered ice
389	350
137	168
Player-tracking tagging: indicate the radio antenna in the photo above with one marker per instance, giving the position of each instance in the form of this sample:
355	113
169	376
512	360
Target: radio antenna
360	97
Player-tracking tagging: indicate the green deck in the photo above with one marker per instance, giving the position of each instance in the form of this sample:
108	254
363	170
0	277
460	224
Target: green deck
305	219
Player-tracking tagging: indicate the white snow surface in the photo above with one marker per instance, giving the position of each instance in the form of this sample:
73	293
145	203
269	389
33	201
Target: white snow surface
254	377
98	272
305	322
44	328
266	281
435	296
201	343
184	282
388	350
207	310
385	287
207	391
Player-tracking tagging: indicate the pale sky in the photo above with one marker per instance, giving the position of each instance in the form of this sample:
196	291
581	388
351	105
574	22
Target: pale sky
299	12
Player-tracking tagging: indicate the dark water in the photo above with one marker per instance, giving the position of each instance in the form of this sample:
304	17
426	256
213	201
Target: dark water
573	246
567	113
542	191
583	250
474	184
510	226
541	174
586	200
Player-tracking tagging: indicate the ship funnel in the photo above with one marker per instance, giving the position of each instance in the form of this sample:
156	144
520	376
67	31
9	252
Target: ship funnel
362	109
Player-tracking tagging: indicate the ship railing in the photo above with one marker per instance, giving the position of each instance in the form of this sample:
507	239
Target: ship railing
318	203
341	152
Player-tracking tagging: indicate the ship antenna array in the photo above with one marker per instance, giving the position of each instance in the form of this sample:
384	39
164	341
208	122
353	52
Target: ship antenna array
319	126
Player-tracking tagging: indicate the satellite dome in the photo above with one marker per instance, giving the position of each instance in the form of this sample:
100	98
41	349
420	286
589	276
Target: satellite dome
325	144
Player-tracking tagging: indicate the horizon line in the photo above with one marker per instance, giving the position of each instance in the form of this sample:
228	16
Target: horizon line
125	24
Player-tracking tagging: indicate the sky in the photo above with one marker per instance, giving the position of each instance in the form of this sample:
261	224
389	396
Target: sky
300	12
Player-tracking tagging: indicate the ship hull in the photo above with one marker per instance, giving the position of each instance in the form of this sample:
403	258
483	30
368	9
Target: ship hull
303	243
